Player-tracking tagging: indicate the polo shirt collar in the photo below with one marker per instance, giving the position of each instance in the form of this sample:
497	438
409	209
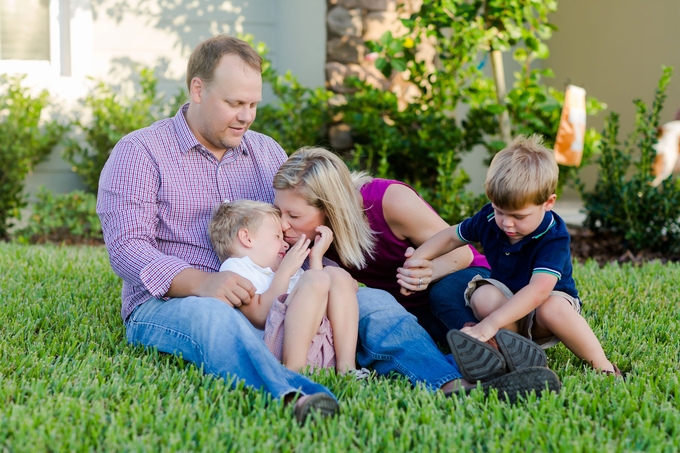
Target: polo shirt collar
546	224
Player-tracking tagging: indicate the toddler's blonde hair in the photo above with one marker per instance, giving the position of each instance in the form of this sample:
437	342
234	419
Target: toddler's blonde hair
231	217
524	173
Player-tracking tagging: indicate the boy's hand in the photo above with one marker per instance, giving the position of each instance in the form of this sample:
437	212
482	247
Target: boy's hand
322	241
483	331
295	256
415	274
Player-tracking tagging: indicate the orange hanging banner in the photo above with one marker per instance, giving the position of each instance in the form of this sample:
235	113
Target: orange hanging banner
569	140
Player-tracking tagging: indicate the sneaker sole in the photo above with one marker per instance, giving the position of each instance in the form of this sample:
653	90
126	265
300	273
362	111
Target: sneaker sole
476	360
522	382
321	404
520	352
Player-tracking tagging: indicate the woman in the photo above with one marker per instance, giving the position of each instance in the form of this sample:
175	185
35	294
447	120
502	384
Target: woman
376	224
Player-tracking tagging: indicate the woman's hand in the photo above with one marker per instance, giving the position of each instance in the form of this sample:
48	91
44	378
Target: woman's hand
414	275
322	242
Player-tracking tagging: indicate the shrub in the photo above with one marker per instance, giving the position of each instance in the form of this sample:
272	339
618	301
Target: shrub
623	201
300	115
113	116
25	140
410	142
68	217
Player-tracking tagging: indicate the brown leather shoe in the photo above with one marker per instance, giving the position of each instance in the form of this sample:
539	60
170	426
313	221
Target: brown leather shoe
618	374
320	403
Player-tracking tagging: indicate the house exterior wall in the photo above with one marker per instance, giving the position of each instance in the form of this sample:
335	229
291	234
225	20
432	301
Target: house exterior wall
612	48
107	37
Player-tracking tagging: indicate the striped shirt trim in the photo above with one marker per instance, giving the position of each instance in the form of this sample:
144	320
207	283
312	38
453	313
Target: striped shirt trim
552	224
460	236
545	270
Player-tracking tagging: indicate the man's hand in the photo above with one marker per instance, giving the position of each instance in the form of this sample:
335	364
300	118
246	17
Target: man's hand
295	257
226	286
483	331
322	241
414	275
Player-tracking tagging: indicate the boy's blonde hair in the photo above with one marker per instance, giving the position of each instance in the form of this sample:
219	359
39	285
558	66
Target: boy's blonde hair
324	181
231	217
524	173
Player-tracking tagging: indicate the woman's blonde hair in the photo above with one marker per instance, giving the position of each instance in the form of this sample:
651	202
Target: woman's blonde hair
324	181
523	173
229	218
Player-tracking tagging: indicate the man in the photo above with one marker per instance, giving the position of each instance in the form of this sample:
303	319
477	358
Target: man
156	196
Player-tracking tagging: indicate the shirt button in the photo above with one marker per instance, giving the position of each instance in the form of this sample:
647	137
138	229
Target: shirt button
507	253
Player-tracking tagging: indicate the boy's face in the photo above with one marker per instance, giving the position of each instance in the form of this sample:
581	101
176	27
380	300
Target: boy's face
268	248
518	224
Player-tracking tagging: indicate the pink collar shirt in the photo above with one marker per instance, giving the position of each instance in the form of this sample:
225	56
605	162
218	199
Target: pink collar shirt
157	193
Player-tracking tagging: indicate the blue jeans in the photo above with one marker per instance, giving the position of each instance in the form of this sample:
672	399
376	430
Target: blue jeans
447	304
220	339
211	334
390	339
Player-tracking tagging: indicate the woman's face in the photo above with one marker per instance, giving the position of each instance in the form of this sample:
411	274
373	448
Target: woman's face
297	216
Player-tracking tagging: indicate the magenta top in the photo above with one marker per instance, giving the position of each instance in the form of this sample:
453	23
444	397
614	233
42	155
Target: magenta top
381	272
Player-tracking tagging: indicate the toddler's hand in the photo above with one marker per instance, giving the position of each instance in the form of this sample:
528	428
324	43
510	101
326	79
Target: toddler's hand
295	256
482	331
322	241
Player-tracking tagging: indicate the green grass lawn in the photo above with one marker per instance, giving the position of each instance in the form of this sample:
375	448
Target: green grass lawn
69	382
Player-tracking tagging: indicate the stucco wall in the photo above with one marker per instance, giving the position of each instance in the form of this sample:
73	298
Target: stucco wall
614	49
108	36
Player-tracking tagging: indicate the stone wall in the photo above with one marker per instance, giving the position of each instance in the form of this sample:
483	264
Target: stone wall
350	23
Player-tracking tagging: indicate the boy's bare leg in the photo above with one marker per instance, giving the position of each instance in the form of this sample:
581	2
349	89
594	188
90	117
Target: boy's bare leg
485	300
343	314
557	317
307	305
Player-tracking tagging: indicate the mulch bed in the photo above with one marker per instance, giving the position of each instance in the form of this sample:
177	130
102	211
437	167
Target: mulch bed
605	248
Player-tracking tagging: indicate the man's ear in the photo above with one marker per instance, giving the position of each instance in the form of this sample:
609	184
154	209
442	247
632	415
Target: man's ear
244	238
548	205
196	90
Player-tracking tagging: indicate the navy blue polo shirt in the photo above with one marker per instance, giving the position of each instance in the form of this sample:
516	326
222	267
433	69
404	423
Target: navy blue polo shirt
546	250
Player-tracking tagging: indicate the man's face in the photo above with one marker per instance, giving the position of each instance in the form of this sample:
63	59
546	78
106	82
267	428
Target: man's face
226	107
268	248
519	223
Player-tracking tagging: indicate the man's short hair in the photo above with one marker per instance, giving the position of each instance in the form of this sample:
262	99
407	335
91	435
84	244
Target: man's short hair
231	217
207	55
524	173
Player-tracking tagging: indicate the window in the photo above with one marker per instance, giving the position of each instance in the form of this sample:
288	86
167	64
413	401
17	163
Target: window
24	30
34	36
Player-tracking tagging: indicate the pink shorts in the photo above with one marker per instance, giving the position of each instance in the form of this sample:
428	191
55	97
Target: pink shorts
321	352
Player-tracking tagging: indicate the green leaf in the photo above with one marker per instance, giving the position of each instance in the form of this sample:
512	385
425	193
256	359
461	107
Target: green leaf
398	64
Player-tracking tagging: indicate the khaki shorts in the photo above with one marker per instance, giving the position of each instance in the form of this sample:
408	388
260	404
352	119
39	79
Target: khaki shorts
526	323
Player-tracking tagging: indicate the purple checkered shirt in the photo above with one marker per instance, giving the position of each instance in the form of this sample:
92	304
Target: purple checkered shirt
157	192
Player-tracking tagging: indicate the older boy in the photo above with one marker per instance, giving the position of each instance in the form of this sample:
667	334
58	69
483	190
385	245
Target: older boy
531	290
